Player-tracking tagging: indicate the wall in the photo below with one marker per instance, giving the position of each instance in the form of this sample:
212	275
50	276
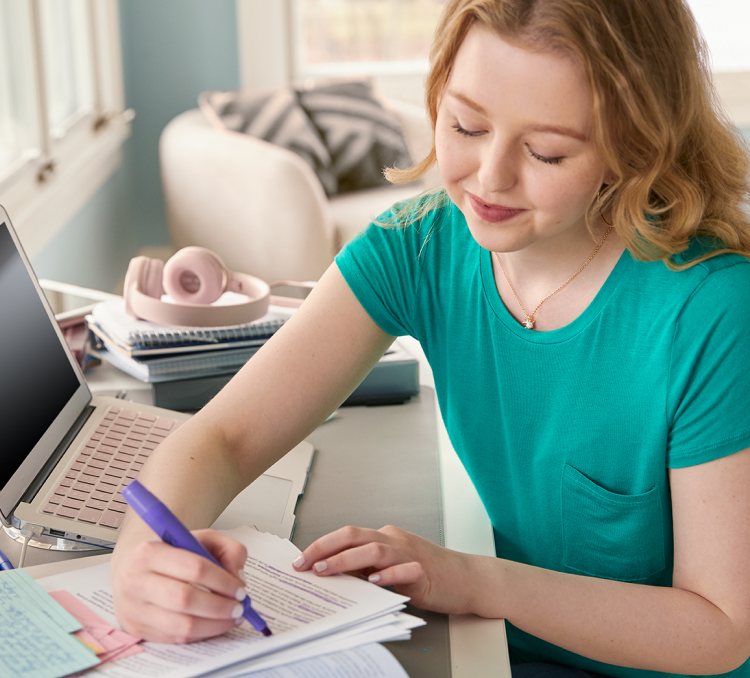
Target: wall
172	51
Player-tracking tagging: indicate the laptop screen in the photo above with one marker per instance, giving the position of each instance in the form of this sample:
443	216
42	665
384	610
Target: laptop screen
37	379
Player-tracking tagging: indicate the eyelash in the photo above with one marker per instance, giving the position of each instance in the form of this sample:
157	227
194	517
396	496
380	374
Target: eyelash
546	159
542	158
465	132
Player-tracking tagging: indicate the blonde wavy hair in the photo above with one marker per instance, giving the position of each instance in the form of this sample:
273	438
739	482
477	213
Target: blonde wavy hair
681	165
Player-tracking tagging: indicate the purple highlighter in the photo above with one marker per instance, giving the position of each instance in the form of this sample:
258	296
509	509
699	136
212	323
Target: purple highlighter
170	530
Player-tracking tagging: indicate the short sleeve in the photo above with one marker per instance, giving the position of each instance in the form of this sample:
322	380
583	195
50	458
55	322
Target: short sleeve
382	267
709	381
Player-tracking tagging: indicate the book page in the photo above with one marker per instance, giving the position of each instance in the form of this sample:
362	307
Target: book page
299	607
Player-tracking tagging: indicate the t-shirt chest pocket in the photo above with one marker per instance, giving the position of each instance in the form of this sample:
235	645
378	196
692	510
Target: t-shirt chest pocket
610	535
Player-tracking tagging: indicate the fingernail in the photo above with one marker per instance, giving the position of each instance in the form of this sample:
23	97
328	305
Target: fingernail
241	594
320	566
373	578
238	621
237	611
299	561
241	575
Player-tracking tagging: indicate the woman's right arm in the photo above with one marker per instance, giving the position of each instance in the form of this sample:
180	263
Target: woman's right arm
303	373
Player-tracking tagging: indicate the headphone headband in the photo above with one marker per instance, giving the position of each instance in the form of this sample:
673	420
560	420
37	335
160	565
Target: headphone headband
143	291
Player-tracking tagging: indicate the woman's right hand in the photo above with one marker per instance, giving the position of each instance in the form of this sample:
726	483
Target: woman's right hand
169	595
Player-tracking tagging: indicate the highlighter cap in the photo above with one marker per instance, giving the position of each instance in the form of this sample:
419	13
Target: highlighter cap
139	498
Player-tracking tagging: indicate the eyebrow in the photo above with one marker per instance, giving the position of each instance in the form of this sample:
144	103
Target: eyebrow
553	129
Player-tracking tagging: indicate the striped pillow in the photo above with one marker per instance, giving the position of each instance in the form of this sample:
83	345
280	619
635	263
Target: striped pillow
274	116
338	127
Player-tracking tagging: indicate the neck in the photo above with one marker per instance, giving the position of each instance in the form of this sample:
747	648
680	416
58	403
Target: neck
549	262
536	272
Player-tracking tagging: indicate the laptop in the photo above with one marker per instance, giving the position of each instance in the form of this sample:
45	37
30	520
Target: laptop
67	454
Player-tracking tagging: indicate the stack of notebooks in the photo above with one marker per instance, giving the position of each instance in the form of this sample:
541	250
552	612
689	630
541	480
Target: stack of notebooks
187	366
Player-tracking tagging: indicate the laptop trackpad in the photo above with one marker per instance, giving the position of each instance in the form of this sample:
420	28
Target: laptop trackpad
265	500
269	503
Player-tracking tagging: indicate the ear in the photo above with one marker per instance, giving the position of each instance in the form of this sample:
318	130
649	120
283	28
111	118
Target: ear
609	178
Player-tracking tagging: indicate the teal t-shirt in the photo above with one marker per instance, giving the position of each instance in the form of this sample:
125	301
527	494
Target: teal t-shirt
568	435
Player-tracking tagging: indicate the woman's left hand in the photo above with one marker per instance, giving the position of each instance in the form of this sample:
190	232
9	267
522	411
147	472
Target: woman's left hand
435	578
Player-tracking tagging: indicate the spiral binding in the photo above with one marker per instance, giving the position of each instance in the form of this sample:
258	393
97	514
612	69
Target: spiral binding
202	336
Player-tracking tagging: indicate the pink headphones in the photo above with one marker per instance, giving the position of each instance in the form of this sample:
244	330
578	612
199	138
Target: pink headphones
194	278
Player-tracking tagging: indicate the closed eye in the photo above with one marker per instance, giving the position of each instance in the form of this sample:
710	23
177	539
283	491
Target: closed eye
466	132
545	158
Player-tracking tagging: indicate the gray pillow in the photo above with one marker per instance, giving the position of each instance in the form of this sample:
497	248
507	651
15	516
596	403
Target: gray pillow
274	116
338	127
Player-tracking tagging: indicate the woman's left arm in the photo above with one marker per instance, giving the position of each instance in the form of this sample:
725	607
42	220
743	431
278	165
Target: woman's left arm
701	625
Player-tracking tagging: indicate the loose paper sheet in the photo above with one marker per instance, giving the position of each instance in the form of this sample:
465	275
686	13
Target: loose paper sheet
299	607
370	661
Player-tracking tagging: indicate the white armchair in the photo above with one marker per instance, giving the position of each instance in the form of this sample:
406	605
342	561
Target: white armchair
261	207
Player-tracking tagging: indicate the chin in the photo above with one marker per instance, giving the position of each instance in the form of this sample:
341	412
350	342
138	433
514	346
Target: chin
499	237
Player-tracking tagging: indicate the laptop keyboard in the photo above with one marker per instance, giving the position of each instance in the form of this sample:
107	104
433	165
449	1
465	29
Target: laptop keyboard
112	457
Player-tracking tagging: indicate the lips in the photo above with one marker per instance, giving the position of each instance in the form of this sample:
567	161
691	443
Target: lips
493	213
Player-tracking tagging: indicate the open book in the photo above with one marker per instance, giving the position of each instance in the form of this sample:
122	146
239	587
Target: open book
309	615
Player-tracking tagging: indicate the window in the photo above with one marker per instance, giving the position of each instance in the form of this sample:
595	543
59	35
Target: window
293	40
374	36
17	113
61	109
289	40
724	24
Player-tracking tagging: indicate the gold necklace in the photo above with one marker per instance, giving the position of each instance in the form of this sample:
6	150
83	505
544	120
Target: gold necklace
529	322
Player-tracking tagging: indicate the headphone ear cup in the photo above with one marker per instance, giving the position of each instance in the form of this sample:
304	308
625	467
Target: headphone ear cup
144	275
195	275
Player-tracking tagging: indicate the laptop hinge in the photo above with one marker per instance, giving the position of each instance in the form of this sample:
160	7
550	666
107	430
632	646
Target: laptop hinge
55	457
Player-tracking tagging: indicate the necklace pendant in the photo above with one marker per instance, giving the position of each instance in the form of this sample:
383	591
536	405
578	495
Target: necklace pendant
529	324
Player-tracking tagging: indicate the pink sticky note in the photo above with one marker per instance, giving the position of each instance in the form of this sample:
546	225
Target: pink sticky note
114	655
115	644
91	621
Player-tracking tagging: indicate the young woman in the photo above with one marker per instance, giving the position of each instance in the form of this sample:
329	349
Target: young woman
580	288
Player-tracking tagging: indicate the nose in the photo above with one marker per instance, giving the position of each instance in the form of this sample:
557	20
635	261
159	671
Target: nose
498	170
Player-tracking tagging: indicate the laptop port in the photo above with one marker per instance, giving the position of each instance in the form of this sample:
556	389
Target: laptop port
57	533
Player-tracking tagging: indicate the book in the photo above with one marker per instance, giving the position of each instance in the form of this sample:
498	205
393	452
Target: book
134	337
170	366
99	339
186	382
97	335
393	380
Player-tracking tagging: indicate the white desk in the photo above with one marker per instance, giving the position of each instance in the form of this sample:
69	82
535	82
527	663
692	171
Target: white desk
478	646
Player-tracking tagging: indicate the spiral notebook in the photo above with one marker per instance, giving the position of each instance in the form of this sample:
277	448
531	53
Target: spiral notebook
175	365
134	337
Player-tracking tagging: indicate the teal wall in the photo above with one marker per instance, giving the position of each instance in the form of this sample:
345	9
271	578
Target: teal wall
172	51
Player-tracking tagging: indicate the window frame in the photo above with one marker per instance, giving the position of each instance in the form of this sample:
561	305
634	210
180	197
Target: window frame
45	188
